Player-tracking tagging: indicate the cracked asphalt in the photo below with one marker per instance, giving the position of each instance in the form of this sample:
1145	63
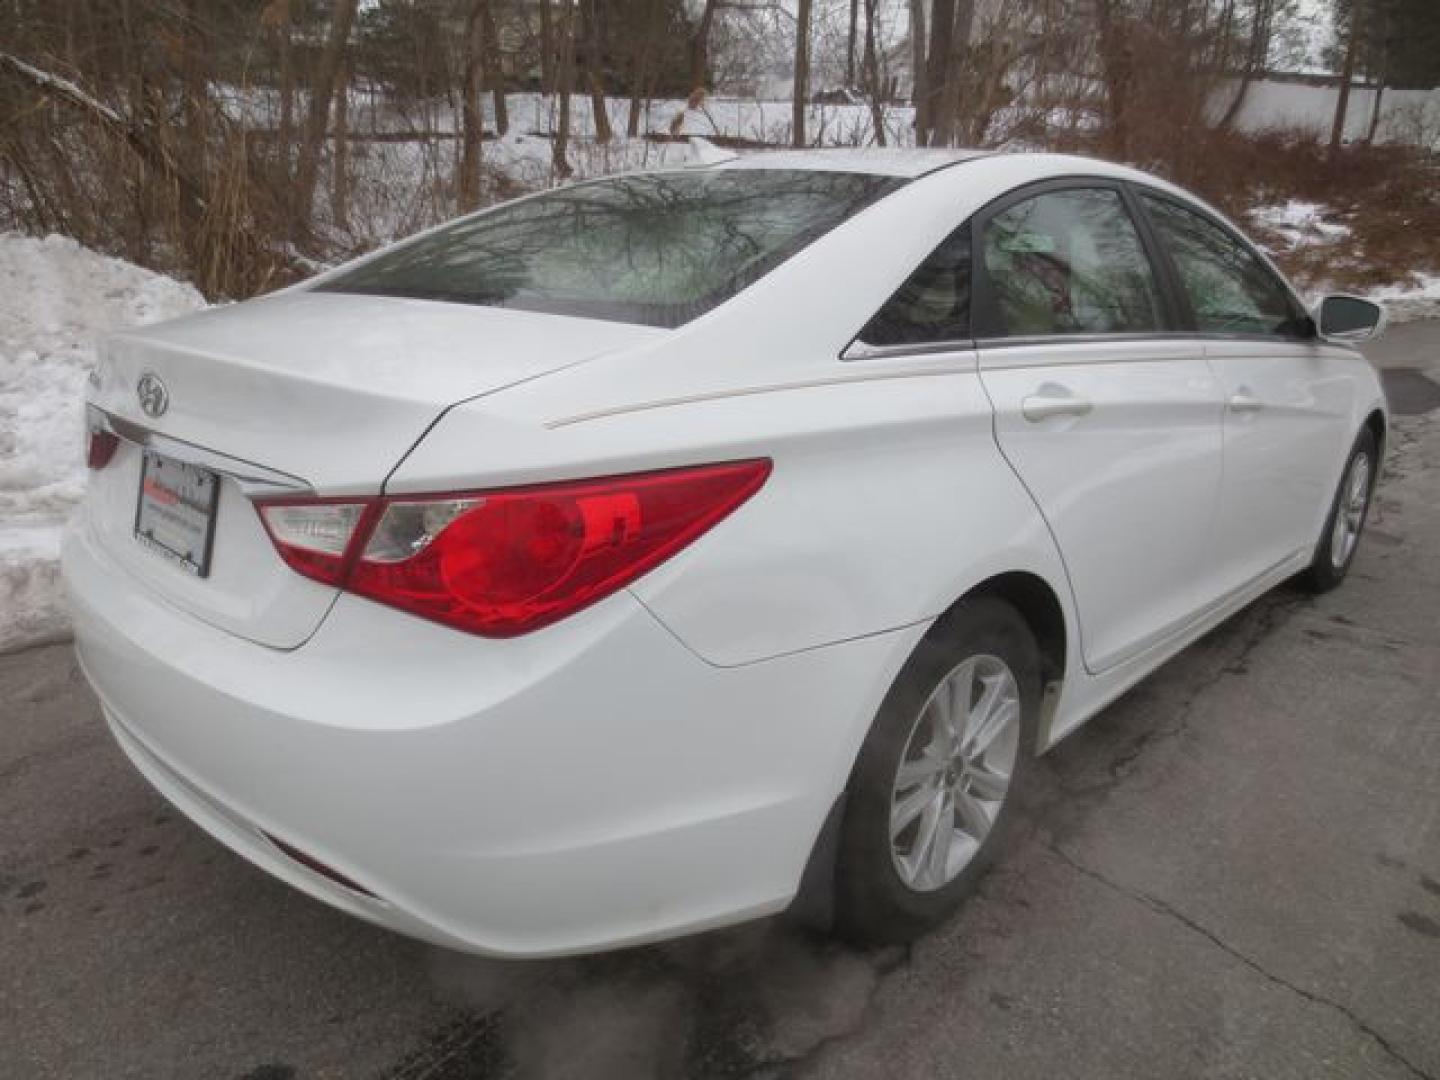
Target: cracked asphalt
1234	871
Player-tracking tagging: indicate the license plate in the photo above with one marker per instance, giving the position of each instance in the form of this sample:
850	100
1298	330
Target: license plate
176	512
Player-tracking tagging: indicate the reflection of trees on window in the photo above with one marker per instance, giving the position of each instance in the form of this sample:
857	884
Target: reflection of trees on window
1070	262
1230	290
658	249
933	305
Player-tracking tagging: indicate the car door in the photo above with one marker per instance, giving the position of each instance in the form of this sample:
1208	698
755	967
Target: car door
1110	418
1288	399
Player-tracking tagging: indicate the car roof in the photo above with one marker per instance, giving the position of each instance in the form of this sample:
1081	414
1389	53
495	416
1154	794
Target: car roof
899	162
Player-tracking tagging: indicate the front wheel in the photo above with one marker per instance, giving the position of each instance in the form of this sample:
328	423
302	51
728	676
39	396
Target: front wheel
1335	549
934	786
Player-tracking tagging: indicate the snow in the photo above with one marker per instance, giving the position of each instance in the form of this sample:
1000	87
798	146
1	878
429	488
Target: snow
62	86
1299	223
57	299
1418	298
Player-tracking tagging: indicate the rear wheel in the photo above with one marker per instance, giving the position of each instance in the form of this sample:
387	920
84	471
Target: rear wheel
934	787
1335	549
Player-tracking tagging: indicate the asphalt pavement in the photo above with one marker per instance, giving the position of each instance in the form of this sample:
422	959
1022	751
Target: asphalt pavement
1234	871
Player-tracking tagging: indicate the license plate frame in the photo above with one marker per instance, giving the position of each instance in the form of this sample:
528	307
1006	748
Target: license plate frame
175	511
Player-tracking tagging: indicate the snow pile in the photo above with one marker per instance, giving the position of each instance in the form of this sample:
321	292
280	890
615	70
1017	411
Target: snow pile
1418	298
1299	223
57	300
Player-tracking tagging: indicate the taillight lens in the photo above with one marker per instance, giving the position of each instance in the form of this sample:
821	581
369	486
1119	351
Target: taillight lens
314	536
503	563
101	448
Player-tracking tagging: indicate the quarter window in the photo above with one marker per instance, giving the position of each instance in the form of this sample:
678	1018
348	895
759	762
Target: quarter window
934	303
1069	262
1231	291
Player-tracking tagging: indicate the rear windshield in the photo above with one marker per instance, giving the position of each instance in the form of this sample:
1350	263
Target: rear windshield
657	249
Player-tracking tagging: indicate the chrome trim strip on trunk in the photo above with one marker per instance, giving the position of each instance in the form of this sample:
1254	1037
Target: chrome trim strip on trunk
254	480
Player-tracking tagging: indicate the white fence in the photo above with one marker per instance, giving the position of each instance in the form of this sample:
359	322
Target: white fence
1411	117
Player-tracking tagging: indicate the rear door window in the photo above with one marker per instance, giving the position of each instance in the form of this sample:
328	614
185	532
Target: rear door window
1068	262
658	249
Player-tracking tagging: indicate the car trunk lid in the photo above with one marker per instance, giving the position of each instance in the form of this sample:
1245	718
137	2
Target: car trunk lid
299	392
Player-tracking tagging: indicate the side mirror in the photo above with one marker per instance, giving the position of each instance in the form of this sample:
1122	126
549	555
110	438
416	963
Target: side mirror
1348	319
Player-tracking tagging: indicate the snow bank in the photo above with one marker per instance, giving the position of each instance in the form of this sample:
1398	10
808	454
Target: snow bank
1415	299
57	299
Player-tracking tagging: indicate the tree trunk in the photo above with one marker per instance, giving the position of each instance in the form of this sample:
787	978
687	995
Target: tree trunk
494	73
1342	103
917	67
1117	64
850	43
1375	110
956	73
873	90
195	133
595	70
640	66
547	49
322	90
700	45
276	18
938	68
340	162
1257	54
802	72
472	117
564	81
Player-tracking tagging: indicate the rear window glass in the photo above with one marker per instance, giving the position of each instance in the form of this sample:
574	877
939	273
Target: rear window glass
659	249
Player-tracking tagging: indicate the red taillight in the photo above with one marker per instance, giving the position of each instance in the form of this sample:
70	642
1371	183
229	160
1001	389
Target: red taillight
315	536
506	562
101	448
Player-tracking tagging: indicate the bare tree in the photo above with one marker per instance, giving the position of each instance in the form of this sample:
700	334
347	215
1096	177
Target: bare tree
594	69
317	121
564	83
1257	51
801	92
919	96
340	161
275	18
494	69
874	91
642	39
700	44
547	48
850	42
471	116
937	72
1347	74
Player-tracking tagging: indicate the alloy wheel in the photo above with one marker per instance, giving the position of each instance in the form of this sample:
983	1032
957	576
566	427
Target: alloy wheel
955	772
1350	512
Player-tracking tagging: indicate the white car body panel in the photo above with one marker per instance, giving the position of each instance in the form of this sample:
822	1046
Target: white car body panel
589	785
663	761
1130	488
1285	445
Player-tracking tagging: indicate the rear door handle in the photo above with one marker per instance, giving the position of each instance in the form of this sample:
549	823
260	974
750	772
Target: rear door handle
1244	401
1052	400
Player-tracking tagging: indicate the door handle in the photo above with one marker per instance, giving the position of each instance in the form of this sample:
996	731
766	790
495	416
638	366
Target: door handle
1051	400
1244	401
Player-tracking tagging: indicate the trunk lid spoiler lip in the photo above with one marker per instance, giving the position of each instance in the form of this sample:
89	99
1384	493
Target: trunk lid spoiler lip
256	481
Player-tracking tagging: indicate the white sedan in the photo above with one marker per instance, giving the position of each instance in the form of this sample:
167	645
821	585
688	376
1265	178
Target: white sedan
675	549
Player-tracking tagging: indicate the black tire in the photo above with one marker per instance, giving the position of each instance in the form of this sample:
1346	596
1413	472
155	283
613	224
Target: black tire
1326	569
873	905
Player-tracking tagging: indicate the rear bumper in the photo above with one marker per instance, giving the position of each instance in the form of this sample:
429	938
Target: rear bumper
591	785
